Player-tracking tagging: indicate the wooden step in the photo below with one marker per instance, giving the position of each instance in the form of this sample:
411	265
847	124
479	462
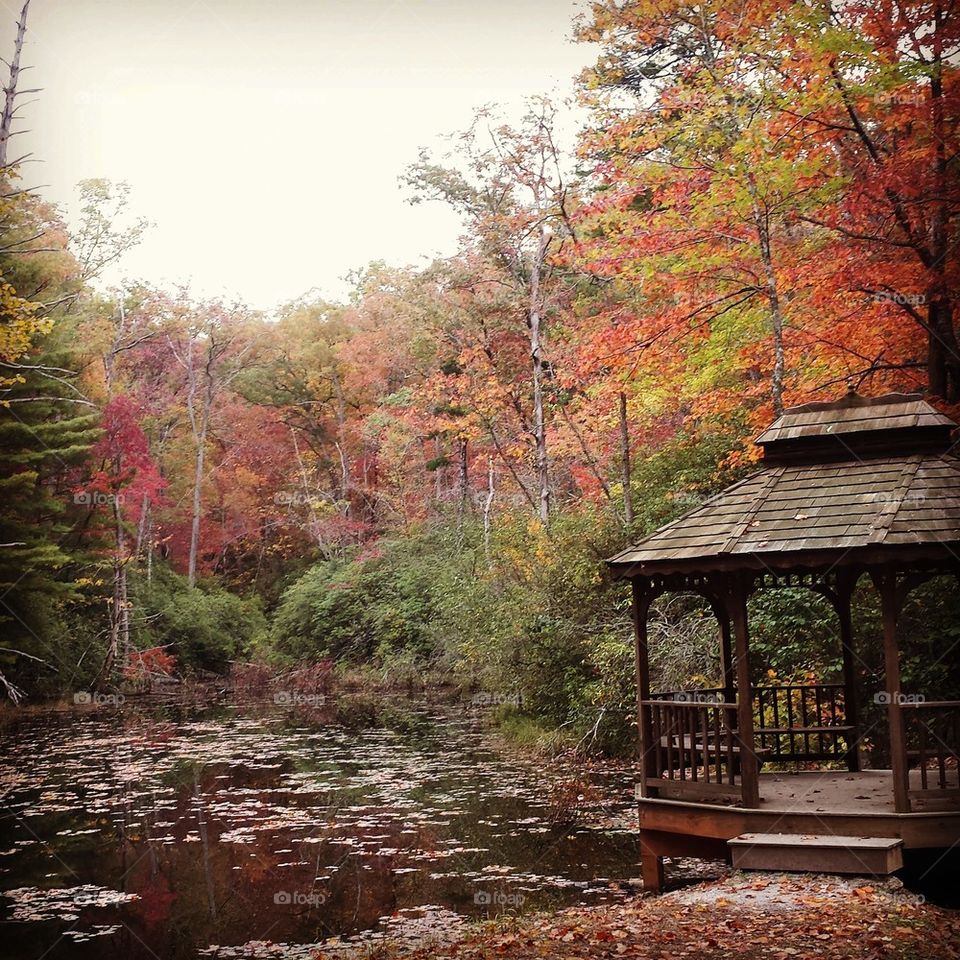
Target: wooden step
817	853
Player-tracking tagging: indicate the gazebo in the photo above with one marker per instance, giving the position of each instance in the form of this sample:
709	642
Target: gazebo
846	489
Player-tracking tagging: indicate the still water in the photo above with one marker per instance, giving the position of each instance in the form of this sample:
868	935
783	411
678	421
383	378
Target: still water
264	830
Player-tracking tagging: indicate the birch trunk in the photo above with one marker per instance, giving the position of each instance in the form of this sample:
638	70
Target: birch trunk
200	441
625	462
199	425
463	485
536	355
487	507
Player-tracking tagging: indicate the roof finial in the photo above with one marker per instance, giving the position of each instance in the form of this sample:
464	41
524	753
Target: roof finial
851	387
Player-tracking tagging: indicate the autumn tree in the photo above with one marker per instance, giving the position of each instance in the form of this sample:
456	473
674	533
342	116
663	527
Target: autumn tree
694	201
510	186
874	90
124	482
210	345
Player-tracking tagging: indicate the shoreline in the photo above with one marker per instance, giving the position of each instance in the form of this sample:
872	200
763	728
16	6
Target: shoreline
741	915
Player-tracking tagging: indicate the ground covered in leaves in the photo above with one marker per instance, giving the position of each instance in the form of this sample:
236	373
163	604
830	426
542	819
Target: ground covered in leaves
745	916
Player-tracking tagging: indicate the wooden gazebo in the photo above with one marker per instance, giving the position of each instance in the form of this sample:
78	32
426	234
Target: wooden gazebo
847	488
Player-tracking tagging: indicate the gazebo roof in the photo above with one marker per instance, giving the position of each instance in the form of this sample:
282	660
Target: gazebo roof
853	478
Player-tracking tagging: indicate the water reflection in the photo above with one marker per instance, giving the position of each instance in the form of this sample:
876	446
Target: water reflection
171	833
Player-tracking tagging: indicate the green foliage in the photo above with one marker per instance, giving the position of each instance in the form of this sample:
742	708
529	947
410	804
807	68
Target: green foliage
530	732
930	626
68	638
205	627
44	560
372	608
794	631
543	623
614	693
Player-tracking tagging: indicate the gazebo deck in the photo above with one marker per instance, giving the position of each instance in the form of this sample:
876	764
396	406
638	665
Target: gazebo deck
807	804
869	792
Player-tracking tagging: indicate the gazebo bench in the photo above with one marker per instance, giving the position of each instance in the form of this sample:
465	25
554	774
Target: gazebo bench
709	748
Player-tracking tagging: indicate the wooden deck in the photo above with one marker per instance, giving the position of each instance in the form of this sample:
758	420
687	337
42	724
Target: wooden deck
820	803
869	792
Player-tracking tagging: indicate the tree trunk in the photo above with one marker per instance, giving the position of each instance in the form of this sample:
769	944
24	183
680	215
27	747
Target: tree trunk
773	301
142	526
125	618
463	484
487	506
199	424
119	620
11	92
625	462
200	441
119	614
936	353
120	561
536	355
341	441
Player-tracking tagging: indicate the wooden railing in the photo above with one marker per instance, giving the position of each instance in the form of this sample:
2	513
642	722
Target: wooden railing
802	721
706	695
696	750
932	730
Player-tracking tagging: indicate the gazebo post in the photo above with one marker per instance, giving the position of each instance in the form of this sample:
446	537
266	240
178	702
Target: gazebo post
720	610
749	772
850	706
651	866
651	863
886	584
726	657
640	608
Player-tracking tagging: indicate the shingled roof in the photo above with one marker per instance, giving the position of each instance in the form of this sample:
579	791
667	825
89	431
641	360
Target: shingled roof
854	477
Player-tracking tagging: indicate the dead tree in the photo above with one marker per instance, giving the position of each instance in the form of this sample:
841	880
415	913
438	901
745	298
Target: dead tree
11	92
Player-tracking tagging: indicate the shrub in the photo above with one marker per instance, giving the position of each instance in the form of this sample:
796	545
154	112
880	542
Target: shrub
205	627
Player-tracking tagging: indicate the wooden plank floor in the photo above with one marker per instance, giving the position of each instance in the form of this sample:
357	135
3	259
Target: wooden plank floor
836	791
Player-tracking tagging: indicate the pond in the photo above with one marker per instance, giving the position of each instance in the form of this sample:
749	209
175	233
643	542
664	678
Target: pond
225	830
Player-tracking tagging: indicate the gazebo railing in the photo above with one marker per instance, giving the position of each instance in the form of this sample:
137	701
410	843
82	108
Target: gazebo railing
704	695
792	721
932	730
696	749
802	722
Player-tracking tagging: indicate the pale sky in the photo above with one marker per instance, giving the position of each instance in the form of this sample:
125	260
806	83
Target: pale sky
265	137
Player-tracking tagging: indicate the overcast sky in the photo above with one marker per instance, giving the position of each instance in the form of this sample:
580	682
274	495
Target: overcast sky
265	137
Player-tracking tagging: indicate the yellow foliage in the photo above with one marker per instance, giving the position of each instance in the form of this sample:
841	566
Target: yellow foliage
19	324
